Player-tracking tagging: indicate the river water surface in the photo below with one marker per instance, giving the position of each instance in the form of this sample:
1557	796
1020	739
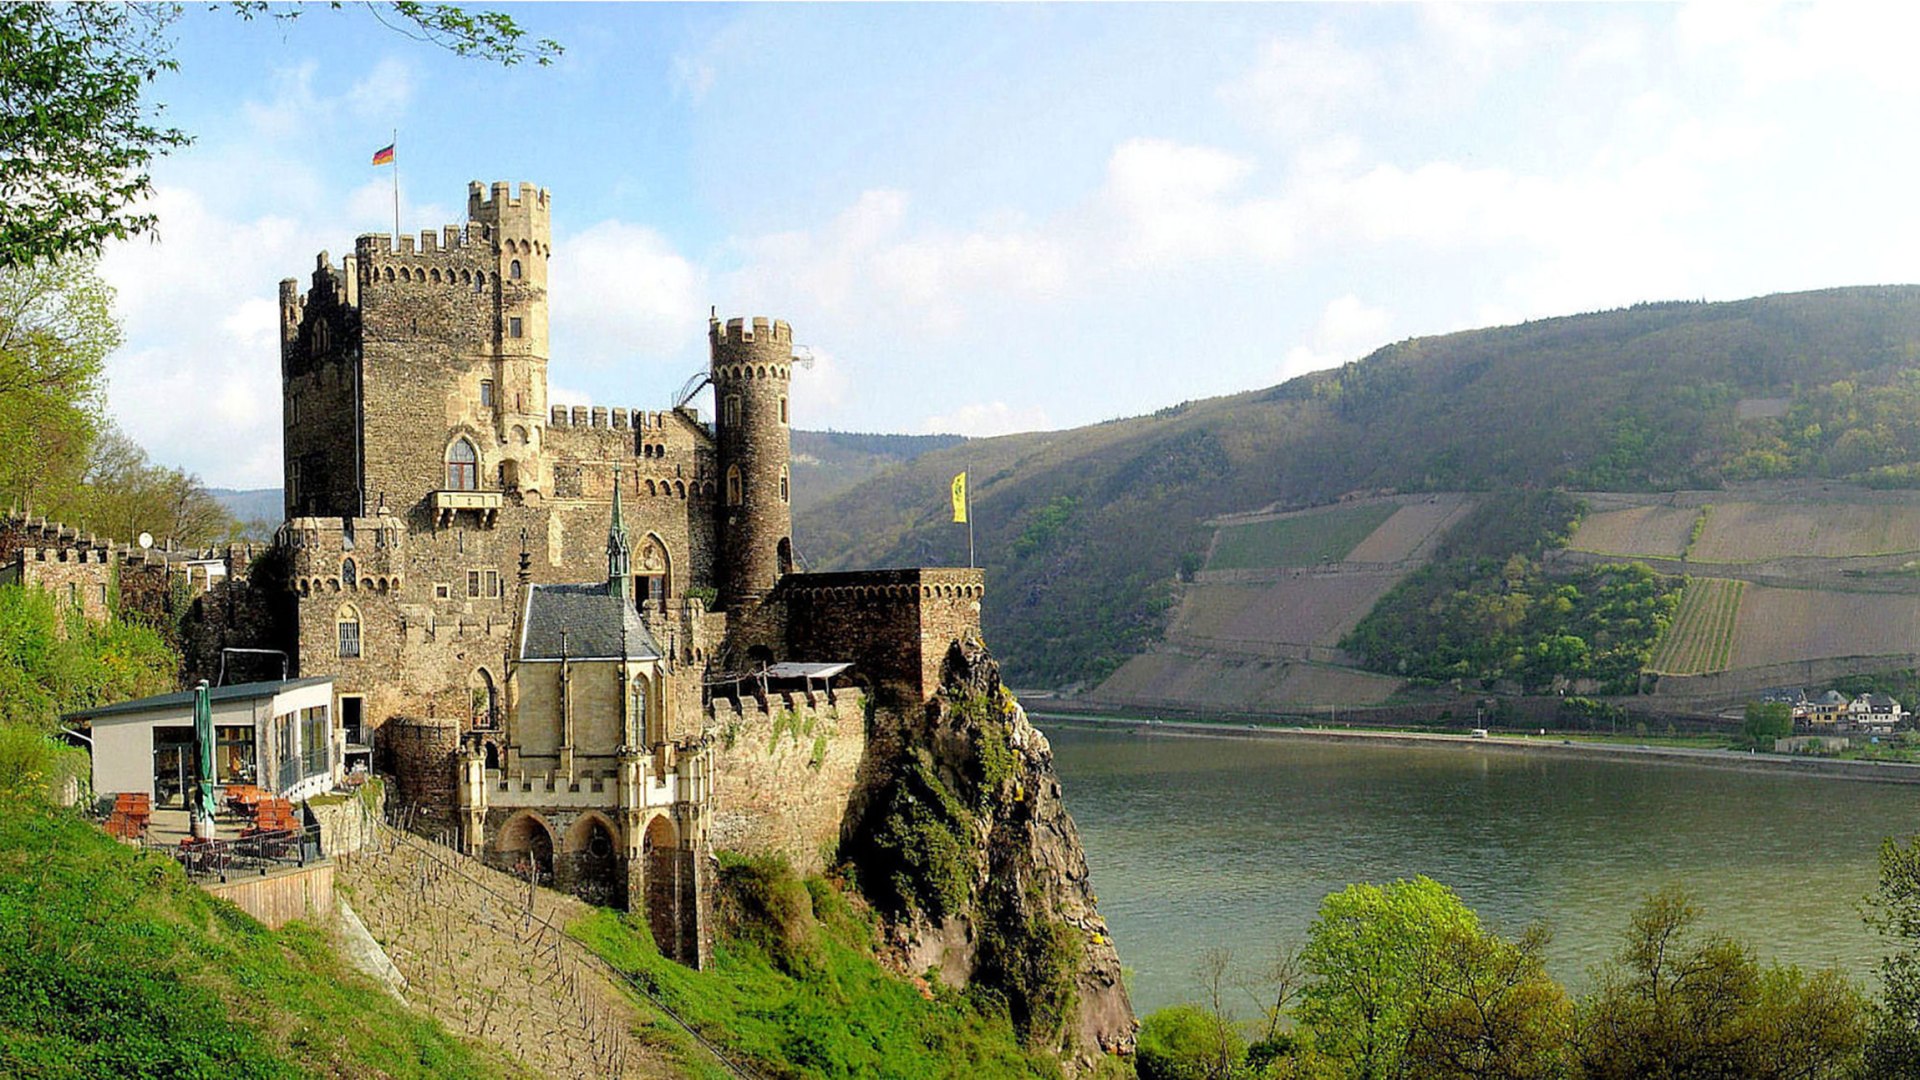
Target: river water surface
1196	842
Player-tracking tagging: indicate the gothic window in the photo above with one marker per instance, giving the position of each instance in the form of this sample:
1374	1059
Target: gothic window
486	393
783	483
637	733
462	466
513	326
513	270
348	574
731	411
347	623
735	491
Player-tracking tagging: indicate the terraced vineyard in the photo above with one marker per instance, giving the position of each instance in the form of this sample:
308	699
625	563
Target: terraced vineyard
1701	637
1300	539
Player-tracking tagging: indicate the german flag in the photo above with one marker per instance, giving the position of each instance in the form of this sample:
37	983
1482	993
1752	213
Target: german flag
385	156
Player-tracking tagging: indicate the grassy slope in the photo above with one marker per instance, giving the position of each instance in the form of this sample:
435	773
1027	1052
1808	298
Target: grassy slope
1638	399
115	965
822	1009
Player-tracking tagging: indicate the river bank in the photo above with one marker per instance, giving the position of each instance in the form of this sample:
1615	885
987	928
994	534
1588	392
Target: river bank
1885	772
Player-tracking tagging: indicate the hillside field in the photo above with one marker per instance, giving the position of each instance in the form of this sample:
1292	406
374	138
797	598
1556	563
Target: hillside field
1701	637
1743	532
1304	539
1641	532
1303	609
1778	626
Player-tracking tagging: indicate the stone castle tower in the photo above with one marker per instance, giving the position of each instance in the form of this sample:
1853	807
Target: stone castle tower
751	370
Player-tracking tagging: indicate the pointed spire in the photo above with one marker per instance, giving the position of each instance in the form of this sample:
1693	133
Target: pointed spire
619	553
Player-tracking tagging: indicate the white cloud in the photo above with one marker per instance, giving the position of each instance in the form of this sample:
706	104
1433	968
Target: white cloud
621	291
986	418
1305	84
1348	329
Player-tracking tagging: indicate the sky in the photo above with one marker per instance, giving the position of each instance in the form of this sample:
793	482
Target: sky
996	218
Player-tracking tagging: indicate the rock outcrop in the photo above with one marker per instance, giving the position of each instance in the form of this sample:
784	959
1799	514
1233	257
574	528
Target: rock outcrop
963	839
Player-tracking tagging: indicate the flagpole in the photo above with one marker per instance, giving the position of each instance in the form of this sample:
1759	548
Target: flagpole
396	188
969	494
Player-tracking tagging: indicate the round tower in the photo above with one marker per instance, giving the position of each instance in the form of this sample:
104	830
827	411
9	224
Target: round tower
752	367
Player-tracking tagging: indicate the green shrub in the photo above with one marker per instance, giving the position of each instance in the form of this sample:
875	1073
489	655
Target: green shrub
763	901
1185	1042
914	850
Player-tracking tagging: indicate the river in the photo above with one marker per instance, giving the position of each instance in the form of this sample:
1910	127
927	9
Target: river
1198	842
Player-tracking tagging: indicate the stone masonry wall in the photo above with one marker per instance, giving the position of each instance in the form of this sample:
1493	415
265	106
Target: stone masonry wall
784	772
894	625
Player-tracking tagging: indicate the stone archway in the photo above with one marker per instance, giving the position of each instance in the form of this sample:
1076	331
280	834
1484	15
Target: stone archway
591	868
525	845
669	877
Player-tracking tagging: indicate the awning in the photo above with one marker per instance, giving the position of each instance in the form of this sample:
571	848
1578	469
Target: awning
794	670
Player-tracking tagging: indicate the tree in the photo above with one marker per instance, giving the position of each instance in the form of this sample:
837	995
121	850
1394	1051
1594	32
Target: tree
1893	1049
1678	1004
1767	721
77	133
1366	952
1184	1042
1486	1009
56	329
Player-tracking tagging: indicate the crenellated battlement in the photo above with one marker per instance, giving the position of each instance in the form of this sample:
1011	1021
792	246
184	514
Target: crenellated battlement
612	419
738	330
481	205
450	239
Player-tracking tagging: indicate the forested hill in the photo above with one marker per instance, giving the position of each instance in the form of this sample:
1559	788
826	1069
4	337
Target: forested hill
1084	531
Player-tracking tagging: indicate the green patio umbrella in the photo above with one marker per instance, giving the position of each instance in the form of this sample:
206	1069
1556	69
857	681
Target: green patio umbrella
202	804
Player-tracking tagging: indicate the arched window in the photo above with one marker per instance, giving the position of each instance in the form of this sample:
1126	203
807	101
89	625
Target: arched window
435	275
783	483
637	733
463	466
348	574
513	270
347	625
389	273
735	492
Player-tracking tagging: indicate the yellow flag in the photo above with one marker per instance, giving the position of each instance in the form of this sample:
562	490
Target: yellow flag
960	498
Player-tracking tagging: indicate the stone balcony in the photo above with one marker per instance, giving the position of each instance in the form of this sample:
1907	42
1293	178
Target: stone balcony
485	506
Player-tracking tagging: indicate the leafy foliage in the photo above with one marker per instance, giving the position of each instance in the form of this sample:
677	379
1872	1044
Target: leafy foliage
1766	721
1893	1050
53	661
913	850
1682	1004
1181	1041
1485	608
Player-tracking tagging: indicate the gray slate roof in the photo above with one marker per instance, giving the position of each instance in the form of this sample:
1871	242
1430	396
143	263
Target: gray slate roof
591	620
183	699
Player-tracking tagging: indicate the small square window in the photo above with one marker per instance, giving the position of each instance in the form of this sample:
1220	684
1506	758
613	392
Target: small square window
486	392
441	591
513	326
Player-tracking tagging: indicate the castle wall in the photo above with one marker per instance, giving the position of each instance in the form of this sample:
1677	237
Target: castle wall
78	578
894	625
784	772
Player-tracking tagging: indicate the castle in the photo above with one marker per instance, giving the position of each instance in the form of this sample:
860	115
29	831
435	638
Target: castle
574	634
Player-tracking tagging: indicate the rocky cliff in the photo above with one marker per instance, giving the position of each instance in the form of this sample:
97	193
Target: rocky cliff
962	839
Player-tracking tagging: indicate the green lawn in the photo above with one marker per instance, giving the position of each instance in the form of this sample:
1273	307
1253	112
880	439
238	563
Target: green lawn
115	965
1304	540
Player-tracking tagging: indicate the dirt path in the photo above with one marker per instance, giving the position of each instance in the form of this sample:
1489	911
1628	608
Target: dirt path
485	954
